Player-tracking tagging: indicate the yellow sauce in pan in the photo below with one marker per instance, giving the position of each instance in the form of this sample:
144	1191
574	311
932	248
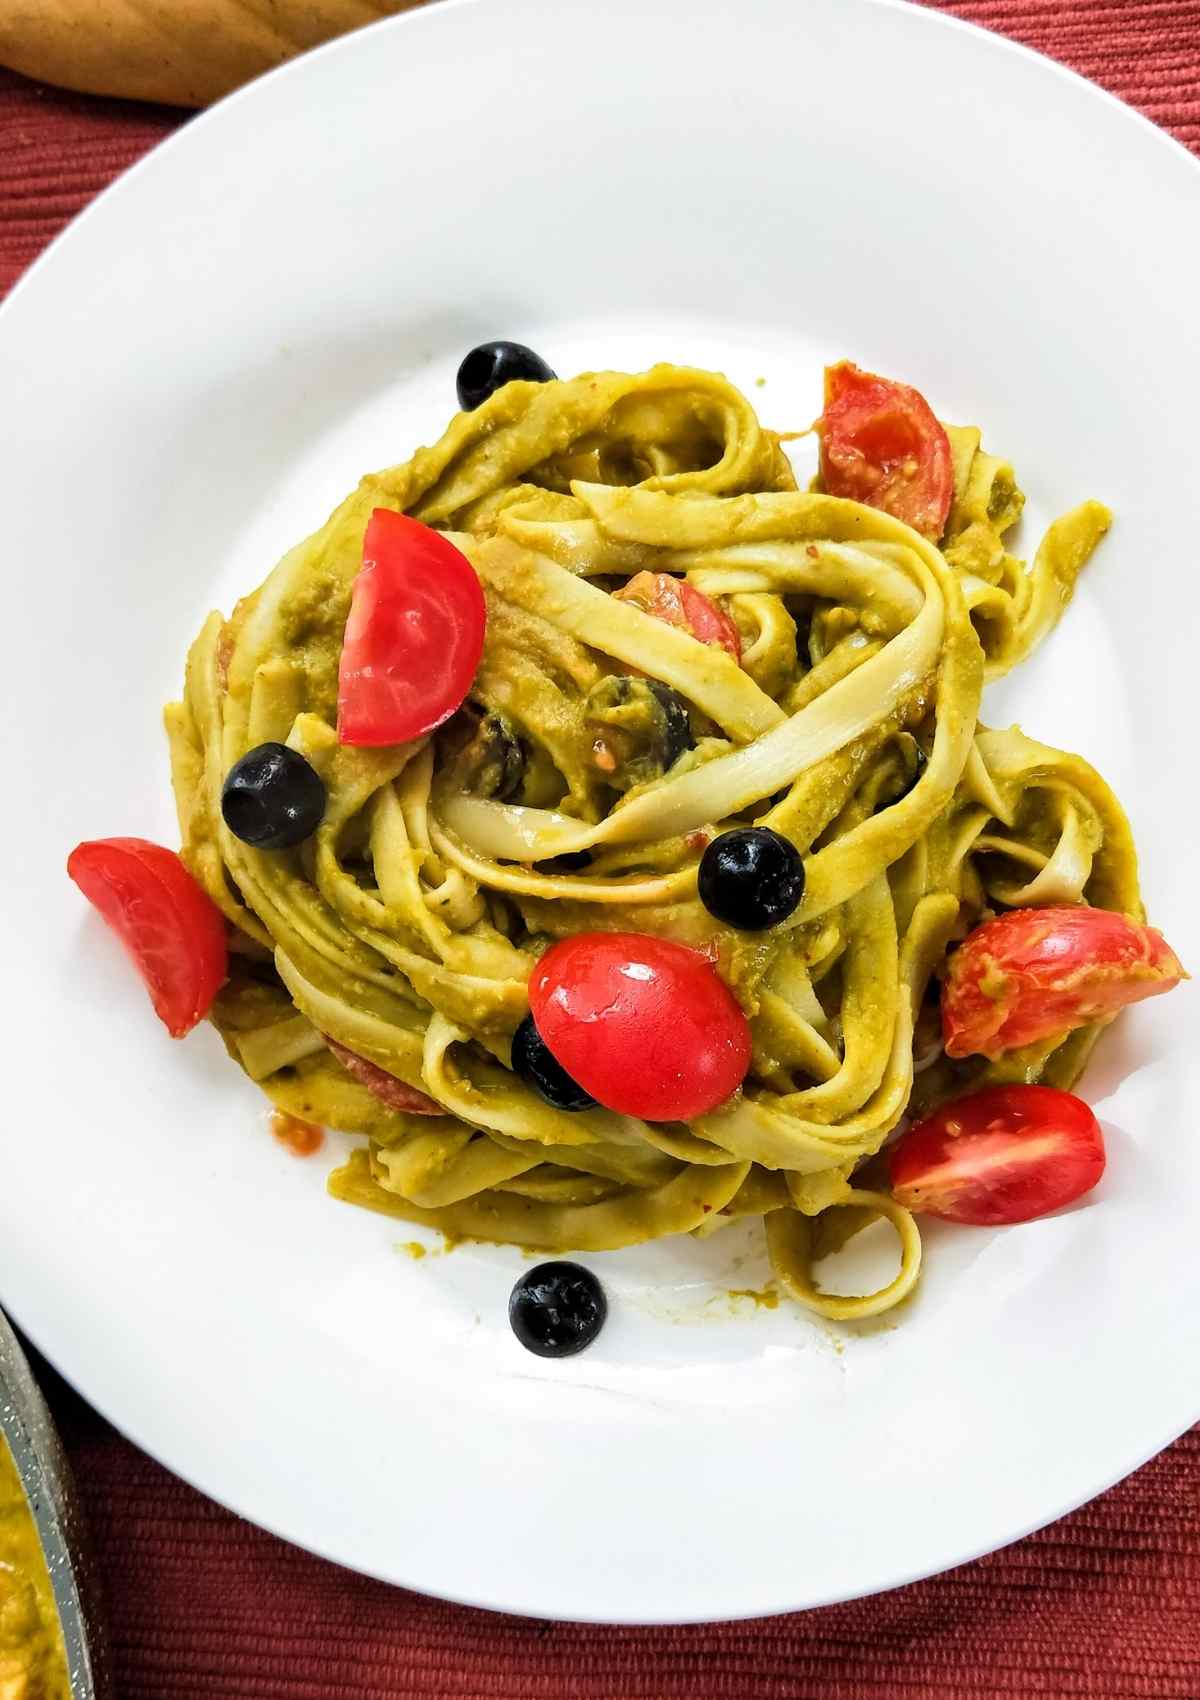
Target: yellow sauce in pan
33	1663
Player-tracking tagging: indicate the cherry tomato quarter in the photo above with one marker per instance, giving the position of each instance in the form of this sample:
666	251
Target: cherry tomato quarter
1007	1154
882	444
677	603
645	1025
1034	973
414	635
169	925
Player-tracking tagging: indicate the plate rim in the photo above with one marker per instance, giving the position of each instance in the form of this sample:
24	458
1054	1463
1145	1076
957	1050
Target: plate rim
159	157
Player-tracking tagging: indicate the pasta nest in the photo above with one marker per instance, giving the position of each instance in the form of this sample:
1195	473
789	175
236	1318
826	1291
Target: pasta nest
405	931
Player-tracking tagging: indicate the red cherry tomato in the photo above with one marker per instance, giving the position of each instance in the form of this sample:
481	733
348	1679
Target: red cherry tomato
676	603
169	925
414	636
1034	973
645	1025
881	444
1004	1155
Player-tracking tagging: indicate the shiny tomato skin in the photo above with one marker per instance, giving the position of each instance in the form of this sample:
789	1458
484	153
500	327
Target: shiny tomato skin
643	1024
1031	974
709	623
677	603
1007	1154
882	444
414	635
169	925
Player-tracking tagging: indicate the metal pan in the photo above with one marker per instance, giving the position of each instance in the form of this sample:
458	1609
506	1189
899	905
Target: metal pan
26	1425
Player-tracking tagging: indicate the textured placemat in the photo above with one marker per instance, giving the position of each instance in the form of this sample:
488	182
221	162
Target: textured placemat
1105	1603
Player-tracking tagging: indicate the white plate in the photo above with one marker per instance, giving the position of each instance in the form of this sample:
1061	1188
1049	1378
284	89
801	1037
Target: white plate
276	301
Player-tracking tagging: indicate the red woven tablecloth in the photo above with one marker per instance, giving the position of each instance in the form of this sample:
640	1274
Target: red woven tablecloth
1105	1603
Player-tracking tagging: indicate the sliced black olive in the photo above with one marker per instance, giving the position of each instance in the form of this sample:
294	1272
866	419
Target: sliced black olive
557	1309
272	798
642	728
751	878
535	1064
492	365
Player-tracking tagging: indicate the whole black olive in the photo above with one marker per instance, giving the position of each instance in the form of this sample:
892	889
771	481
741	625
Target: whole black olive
492	365
751	878
557	1309
535	1064
272	798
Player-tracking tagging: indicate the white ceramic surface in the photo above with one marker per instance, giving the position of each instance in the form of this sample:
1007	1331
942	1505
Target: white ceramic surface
276	301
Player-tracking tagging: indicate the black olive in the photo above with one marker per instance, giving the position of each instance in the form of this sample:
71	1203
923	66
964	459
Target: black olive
272	798
920	763
492	365
643	725
677	724
570	862
492	763
557	1309
536	1065
896	791
751	878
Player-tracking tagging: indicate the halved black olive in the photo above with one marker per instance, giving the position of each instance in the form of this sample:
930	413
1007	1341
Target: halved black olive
642	728
489	760
911	764
677	725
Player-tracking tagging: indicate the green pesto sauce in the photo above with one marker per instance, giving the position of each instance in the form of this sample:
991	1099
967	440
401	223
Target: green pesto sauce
765	1298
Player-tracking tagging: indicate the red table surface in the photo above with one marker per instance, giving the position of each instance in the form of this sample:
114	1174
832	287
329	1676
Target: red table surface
1104	1603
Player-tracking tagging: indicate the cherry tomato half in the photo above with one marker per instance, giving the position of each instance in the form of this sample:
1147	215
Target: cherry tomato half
644	1025
1007	1154
881	444
169	925
676	603
1034	973
414	636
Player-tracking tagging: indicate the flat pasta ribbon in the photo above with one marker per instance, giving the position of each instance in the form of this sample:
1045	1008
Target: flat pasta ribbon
406	930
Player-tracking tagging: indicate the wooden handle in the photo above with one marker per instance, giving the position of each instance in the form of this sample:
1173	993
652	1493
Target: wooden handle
184	52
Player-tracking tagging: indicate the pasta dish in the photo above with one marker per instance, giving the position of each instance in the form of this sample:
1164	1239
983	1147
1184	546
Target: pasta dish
604	829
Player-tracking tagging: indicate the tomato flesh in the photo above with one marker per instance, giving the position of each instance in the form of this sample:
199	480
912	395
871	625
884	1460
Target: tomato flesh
169	925
1007	1154
882	444
1033	974
677	603
414	635
645	1025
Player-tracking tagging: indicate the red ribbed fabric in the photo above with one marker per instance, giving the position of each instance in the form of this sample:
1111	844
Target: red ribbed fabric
1105	1603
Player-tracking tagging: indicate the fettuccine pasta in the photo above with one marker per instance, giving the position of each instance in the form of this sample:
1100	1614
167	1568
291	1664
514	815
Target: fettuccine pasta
397	944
